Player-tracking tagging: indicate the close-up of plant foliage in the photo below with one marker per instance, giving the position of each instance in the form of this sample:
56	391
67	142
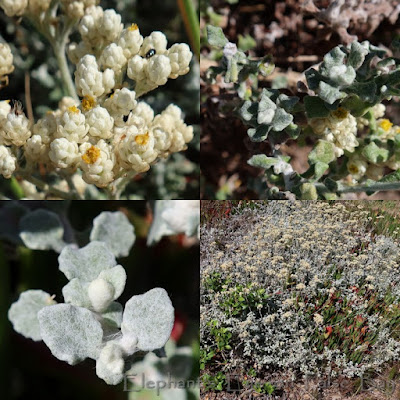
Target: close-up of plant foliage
292	291
324	136
129	321
93	100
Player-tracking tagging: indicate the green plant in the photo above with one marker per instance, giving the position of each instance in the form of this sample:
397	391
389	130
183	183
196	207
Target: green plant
342	113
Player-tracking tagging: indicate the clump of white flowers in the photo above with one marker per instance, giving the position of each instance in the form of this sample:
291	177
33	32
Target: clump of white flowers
107	135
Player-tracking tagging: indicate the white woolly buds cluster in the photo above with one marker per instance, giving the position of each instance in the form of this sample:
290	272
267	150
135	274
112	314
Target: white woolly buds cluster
6	60
340	128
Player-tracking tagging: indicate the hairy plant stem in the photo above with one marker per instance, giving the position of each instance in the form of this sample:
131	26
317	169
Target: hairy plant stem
375	187
46	187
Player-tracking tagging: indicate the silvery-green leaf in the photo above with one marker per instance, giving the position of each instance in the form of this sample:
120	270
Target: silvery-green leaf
23	313
42	230
260	133
329	93
323	151
113	314
216	36
248	110
172	217
75	292
287	102
315	107
71	333
375	154
86	263
10	215
110	364
281	120
319	170
266	109
114	229
357	55
262	161
117	277
342	75
334	58
366	91
150	317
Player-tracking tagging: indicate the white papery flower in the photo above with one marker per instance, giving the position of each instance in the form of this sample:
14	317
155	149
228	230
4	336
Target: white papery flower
357	167
155	41
63	153
5	108
89	23
35	149
170	131
88	78
72	126
15	129
130	41
136	150
100	123
97	163
136	68
14	8
6	59
174	216
113	57
8	162
144	111
121	102
46	127
158	69
179	56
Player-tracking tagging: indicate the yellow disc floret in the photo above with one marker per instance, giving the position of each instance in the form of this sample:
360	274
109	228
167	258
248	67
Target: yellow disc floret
133	27
142	139
91	155
73	109
340	113
88	102
385	124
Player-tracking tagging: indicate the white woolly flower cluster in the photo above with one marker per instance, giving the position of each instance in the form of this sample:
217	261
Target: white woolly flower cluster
108	134
6	60
117	51
340	128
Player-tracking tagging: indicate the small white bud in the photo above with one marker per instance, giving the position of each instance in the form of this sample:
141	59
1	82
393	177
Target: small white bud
101	294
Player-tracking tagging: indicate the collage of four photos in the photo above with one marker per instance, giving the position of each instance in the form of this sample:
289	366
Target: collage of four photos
200	199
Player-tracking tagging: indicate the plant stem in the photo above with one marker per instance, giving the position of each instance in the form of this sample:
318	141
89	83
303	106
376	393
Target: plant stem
376	187
191	21
72	187
59	50
46	187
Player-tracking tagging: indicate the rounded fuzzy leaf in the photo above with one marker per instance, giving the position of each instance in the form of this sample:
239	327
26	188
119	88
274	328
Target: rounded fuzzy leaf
324	152
75	292
42	230
23	313
113	314
86	263
149	317
71	333
114	229
262	161
281	120
117	277
375	154
329	93
216	36
315	107
110	364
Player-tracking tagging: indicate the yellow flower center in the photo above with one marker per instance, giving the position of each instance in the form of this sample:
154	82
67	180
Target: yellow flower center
133	27
91	155
88	103
353	169
340	113
385	124
142	139
73	109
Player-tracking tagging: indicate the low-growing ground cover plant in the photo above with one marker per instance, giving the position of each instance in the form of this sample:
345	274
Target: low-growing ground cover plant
299	290
103	133
337	110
